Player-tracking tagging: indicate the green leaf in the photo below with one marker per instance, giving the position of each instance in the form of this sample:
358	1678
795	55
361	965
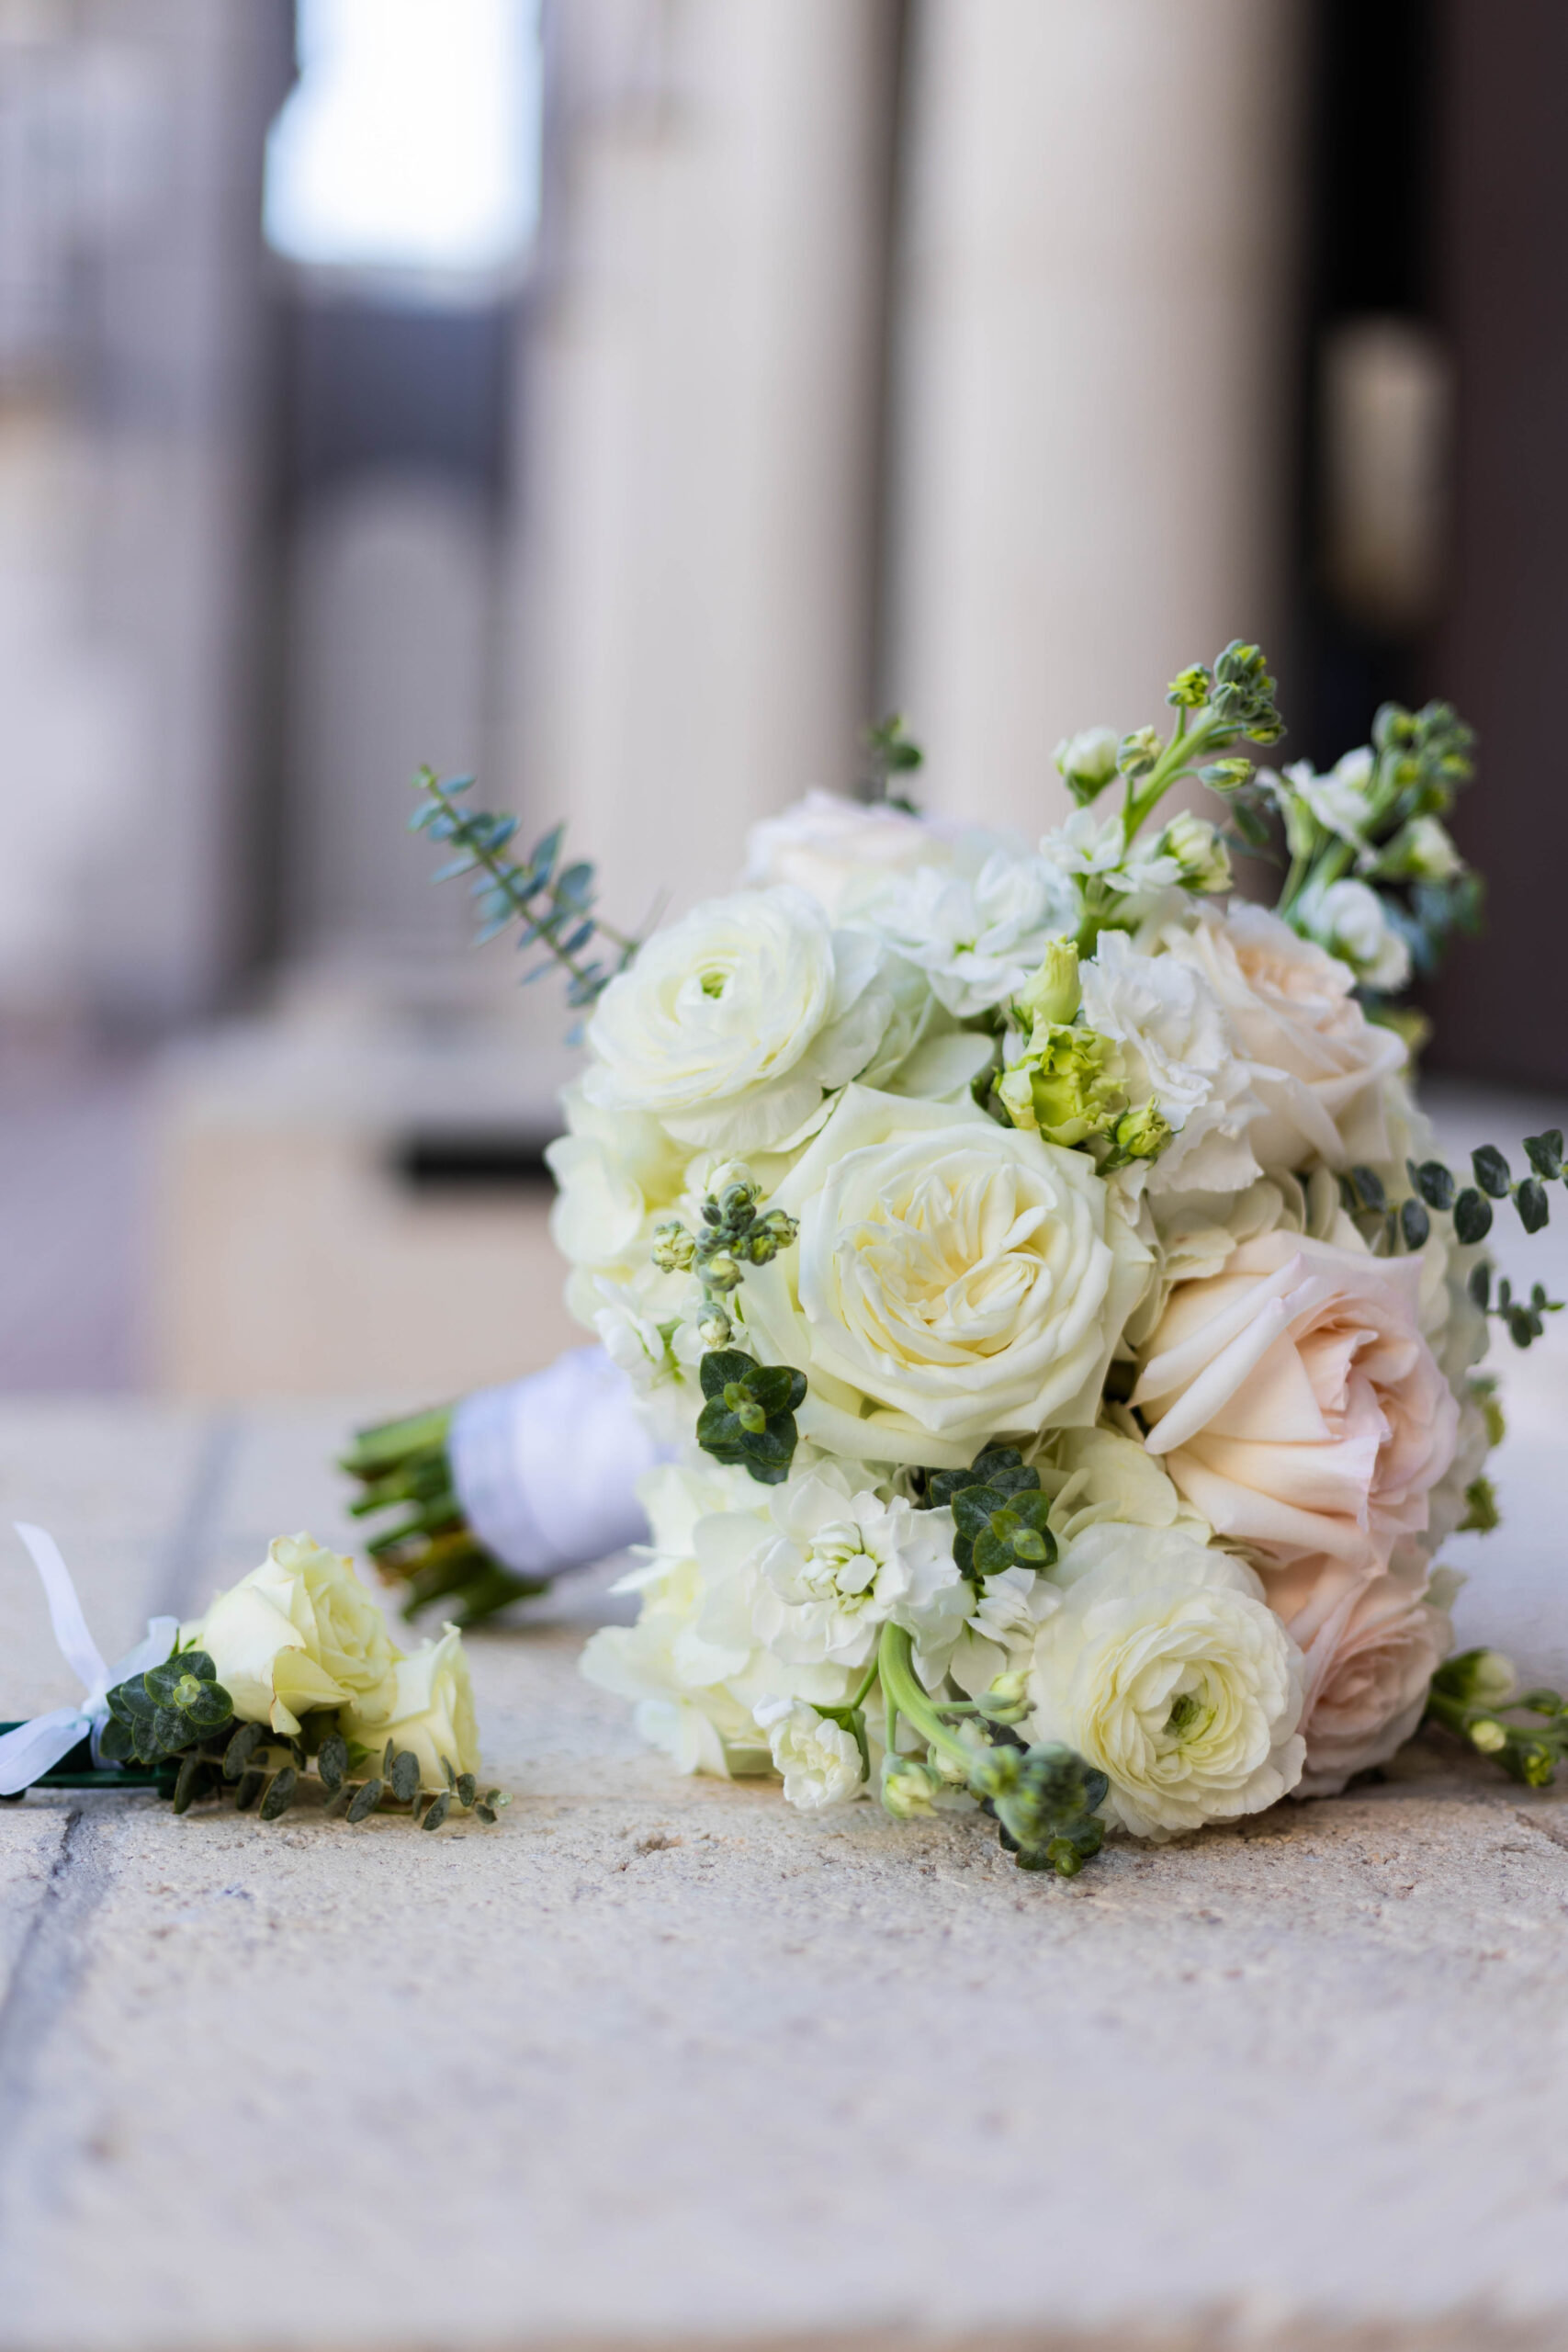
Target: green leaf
240	1748
406	1776
192	1782
1414	1222
1434	1183
720	1366
451	1775
1532	1205
1368	1185
438	1810
251	1786
1544	1153
331	1764
1480	1285
280	1796
468	1787
486	1813
1473	1217
1490	1171
367	1800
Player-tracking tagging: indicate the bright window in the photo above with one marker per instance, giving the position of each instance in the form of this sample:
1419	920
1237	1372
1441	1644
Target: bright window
411	141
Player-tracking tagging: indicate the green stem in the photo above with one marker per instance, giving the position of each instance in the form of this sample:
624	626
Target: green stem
906	1695
1181	754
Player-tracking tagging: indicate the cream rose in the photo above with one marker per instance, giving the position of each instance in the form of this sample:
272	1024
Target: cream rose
1166	1668
1371	1643
953	1281
732	1025
1296	1403
429	1710
1312	1056
299	1632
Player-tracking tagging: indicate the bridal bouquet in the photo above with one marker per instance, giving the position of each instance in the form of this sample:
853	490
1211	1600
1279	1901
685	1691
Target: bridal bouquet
1037	1326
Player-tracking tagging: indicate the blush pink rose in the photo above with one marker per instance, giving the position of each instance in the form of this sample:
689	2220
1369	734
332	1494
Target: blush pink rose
1296	1404
1371	1643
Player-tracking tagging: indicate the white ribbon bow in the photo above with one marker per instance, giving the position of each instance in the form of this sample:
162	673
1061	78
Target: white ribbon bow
33	1749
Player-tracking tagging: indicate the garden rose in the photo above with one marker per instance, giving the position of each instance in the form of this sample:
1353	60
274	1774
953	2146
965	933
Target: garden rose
429	1711
1294	1401
299	1632
953	1281
839	849
1313	1058
1371	1643
1166	1668
732	1025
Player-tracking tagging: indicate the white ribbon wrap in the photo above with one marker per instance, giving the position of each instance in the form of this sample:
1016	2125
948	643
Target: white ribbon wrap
547	1468
34	1748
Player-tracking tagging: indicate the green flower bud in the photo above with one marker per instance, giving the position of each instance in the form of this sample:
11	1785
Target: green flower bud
1140	1134
1488	1736
733	1174
1087	761
1052	994
1066	1087
673	1248
1137	752
1190	688
1423	850
908	1788
714	1329
1477	1678
722	1271
1197	848
1007	1700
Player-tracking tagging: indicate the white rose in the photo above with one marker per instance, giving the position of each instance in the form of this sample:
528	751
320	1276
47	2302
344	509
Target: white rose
429	1711
299	1632
1296	1404
838	1564
977	938
733	1026
839	849
1315	1061
1371	1643
1176	1049
953	1281
1166	1668
1351	922
821	1762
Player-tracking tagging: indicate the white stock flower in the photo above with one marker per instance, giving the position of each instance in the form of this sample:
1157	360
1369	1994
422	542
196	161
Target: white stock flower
1337	800
1351	922
733	1026
821	1762
840	1564
1313	1059
1426	848
299	1632
429	1711
953	1281
839	849
999	1636
1176	1048
1371	1643
1090	756
1166	1668
977	937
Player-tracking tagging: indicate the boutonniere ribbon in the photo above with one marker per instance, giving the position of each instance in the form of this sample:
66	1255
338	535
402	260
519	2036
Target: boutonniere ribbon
34	1748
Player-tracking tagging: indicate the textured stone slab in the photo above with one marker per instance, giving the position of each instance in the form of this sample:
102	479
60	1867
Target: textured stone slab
657	2063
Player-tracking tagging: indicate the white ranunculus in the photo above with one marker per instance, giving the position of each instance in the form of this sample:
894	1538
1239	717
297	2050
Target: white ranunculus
839	850
953	1281
429	1711
299	1631
1313	1059
1166	1668
977	937
1176	1048
820	1761
836	1565
1372	1641
1351	922
734	1026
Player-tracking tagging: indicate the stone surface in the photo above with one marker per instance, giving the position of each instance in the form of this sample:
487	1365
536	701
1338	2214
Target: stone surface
658	2063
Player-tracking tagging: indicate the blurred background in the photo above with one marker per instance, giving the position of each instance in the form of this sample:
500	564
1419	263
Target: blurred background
630	399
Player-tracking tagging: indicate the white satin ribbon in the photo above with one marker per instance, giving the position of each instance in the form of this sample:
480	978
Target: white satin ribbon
547	1468
34	1748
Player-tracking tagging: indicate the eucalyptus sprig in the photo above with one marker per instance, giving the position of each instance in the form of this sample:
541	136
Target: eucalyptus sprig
1000	1517
553	905
1434	1188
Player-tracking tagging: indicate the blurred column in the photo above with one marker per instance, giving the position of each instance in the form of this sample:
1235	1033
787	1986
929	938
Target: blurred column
1092	365
702	378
